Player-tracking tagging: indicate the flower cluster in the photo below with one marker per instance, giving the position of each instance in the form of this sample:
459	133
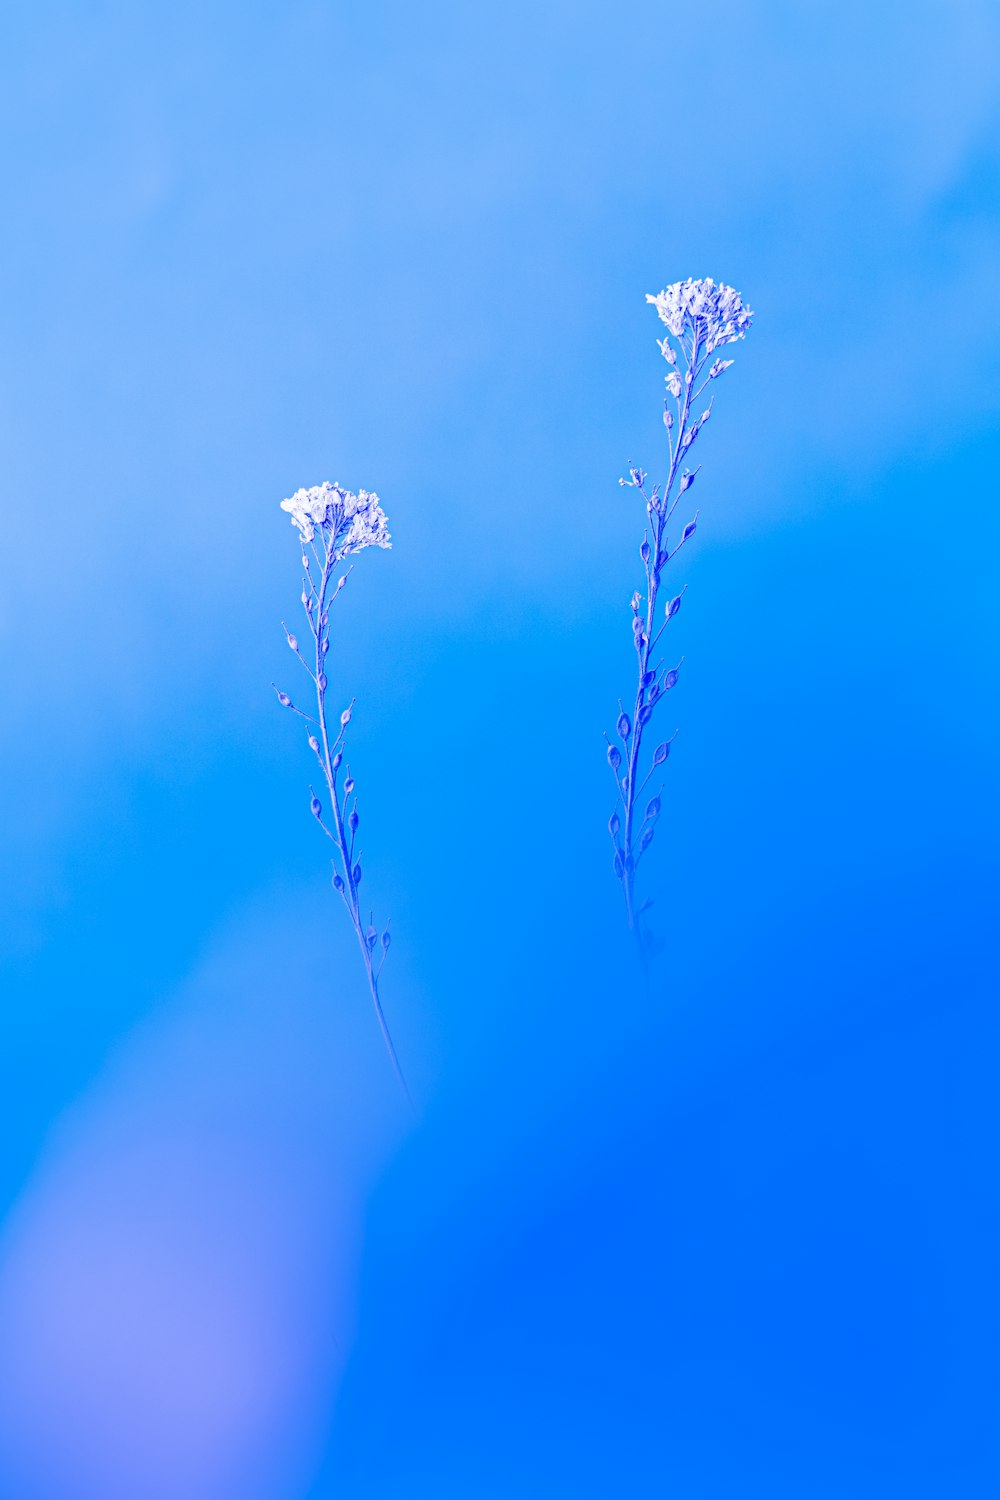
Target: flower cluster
715	314
351	521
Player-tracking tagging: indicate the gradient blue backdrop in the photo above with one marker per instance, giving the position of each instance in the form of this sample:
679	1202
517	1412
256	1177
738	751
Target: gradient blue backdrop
737	1242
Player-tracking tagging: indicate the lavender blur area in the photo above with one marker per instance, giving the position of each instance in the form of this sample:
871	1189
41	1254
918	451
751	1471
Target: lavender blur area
735	1241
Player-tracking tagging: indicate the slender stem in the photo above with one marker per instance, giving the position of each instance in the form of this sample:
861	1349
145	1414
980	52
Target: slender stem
350	892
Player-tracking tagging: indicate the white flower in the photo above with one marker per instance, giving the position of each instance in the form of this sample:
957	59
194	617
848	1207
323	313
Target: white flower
715	312
350	521
674	384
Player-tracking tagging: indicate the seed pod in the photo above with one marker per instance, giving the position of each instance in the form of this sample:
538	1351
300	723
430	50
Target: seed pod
293	642
337	760
654	692
689	530
660	753
357	874
326	645
614	823
353	821
283	699
314	743
322	682
348	786
316	807
673	606
386	940
371	937
653	807
687	480
644	550
647	678
305	562
645	714
338	884
345	717
670	680
614	757
619	867
646	840
624	726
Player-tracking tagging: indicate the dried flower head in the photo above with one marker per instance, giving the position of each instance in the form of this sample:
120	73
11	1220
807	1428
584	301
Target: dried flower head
715	313
351	521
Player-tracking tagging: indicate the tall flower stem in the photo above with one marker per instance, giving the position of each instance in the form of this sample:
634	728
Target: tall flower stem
700	316
330	756
334	523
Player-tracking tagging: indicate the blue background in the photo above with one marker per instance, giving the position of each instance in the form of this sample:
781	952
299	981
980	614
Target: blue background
737	1239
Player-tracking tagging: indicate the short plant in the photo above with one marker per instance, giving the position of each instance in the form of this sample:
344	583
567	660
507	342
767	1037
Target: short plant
700	318
333	524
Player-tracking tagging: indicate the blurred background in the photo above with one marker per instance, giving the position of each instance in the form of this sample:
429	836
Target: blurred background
736	1239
